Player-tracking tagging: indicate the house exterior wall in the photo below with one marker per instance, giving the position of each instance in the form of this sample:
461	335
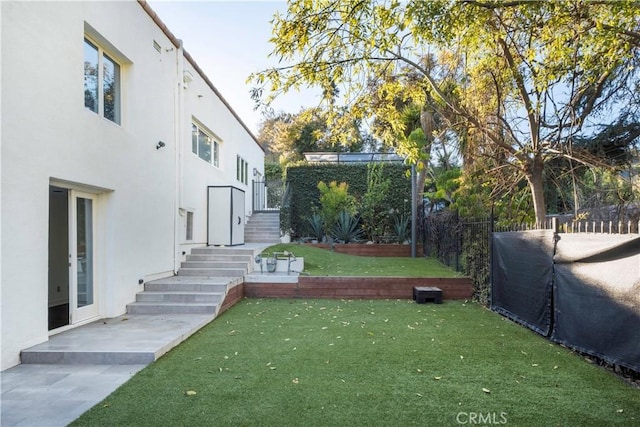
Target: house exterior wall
50	138
206	108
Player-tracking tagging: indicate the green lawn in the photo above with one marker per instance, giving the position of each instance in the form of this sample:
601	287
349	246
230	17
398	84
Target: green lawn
323	262
367	363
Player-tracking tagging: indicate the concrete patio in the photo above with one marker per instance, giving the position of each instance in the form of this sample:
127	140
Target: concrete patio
76	369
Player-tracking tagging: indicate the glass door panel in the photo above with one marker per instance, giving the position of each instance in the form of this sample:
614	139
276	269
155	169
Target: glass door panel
84	241
83	287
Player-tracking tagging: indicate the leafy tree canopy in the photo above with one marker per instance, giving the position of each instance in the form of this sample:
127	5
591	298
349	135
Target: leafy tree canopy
518	81
286	137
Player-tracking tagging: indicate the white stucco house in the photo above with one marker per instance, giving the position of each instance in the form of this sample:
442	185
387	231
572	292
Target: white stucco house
111	136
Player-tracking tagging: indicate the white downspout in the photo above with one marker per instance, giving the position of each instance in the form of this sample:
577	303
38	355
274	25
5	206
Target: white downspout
178	126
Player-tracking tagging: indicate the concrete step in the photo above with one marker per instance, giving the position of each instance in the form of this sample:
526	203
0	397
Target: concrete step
214	250
212	272
171	308
262	233
261	230
130	339
272	240
215	264
179	297
192	284
220	257
182	287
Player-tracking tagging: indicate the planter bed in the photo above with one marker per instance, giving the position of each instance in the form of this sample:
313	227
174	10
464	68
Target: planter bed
375	249
359	287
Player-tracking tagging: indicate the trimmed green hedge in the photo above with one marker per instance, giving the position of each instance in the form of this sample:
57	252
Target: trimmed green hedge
304	196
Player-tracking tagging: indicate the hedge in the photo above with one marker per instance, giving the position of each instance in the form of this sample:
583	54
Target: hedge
304	196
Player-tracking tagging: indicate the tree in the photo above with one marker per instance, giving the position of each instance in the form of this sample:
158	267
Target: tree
286	137
529	76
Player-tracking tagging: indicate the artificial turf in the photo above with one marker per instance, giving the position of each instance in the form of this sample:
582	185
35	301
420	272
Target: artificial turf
323	262
367	363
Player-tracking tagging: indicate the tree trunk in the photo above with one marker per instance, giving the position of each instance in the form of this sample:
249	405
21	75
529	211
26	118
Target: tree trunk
427	123
534	178
421	178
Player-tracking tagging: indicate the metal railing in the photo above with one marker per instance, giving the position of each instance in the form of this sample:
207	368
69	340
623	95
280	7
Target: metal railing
267	196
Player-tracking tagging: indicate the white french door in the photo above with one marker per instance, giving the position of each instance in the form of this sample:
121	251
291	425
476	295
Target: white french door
83	302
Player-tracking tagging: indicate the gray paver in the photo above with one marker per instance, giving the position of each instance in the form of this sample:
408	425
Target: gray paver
55	395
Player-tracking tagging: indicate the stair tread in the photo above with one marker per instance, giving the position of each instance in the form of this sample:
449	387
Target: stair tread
181	292
169	303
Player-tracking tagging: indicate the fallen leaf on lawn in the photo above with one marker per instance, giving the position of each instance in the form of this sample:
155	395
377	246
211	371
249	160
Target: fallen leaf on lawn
620	411
106	405
296	381
190	393
555	367
486	390
437	378
534	364
420	371
198	358
461	357
418	394
272	367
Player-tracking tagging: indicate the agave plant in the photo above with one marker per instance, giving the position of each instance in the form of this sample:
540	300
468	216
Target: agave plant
401	228
346	229
317	229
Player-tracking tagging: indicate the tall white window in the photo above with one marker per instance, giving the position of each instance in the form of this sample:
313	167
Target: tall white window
204	145
101	82
242	170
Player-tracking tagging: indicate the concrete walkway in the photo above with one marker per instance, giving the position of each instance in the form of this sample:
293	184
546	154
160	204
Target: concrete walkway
74	370
56	393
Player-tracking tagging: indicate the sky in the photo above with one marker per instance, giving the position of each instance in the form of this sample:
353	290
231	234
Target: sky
229	40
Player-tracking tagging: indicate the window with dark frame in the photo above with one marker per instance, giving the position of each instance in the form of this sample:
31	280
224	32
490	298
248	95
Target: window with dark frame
242	170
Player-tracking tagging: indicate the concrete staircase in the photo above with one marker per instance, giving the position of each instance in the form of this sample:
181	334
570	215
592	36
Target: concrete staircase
199	287
166	313
263	227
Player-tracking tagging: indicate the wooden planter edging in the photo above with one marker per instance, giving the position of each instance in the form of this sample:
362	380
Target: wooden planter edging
359	287
234	295
376	249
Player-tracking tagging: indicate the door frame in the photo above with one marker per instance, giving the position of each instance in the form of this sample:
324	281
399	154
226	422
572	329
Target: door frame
89	312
